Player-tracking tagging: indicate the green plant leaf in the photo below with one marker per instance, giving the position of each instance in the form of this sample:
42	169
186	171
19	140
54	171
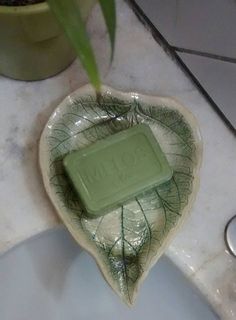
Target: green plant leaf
127	241
68	14
109	13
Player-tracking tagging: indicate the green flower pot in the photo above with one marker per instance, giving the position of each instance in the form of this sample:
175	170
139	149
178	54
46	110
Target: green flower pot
33	45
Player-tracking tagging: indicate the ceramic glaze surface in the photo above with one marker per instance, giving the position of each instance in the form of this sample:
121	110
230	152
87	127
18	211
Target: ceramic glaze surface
129	240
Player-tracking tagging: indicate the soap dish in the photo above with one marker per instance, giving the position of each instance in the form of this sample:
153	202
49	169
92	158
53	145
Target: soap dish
129	240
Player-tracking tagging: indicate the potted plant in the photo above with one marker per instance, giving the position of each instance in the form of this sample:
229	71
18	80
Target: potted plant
33	44
70	16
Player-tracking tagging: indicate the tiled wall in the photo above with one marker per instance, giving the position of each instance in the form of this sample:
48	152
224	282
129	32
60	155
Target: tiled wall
202	25
194	27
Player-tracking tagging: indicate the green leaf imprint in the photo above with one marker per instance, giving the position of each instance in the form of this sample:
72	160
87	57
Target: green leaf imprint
127	241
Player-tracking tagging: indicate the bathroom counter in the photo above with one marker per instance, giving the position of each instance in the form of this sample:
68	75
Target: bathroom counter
140	64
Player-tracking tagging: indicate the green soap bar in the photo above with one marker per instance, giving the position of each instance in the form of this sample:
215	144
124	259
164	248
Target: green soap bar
116	169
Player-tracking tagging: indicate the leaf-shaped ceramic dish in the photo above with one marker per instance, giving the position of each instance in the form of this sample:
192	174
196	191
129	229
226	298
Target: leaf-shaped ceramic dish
127	242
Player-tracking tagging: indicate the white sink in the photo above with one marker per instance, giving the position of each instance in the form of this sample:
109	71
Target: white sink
50	277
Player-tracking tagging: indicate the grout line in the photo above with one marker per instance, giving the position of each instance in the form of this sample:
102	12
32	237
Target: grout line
174	56
204	54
